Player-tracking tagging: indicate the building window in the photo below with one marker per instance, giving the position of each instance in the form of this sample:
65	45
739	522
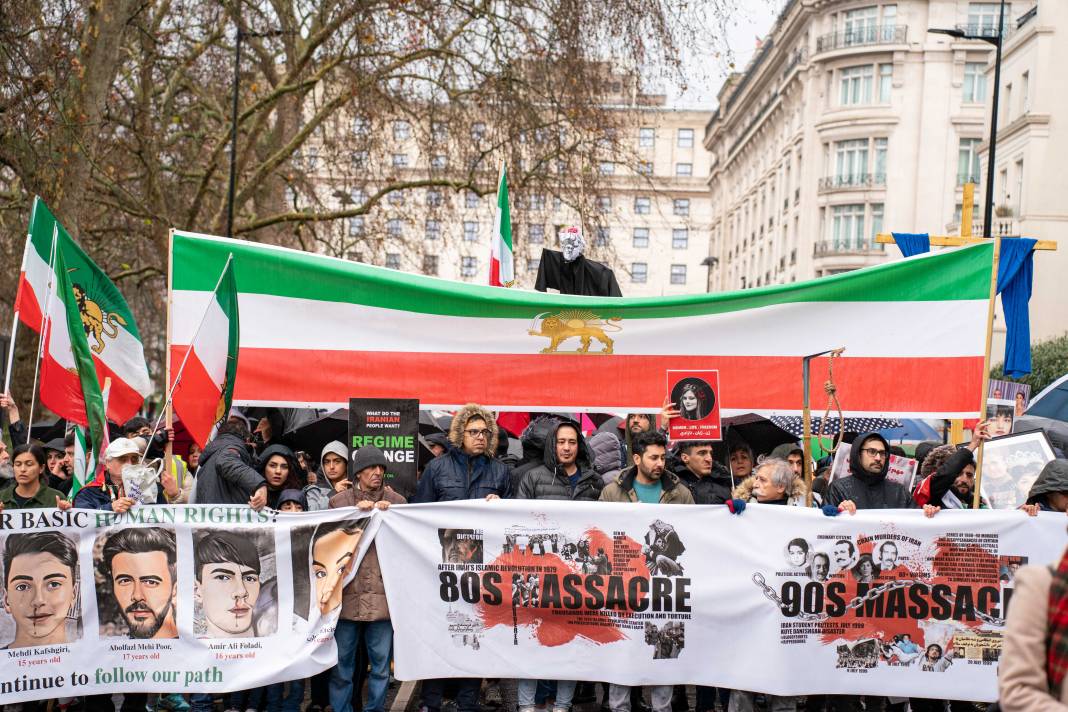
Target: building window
608	168
537	201
876	221
681	207
684	169
400	160
430	265
680	238
847	226
968	161
861	25
478	131
359	197
433	229
359	159
536	234
468	266
855	85
983	17
678	274
471	199
393	227
880	145
439	161
439	130
645	168
392	260
471	230
974	89
851	161
604	203
433	198
533	264
601	237
641	237
639	272
361	126
646	137
886	81
356	226
1025	92
396	198
685	138
642	205
401	130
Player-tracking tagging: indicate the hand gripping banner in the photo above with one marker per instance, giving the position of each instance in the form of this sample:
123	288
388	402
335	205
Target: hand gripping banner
197	598
880	603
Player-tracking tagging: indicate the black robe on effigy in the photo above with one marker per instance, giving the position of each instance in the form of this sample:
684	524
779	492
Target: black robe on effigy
581	276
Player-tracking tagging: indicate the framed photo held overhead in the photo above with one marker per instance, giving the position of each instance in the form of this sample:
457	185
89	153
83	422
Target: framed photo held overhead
1011	464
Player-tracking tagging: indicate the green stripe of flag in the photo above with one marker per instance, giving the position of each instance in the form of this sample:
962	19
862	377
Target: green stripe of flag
962	274
83	360
505	211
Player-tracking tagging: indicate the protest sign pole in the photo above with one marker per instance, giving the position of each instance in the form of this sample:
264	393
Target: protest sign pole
986	365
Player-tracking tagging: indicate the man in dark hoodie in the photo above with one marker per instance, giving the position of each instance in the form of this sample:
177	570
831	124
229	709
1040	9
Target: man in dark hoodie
867	486
1049	493
226	475
533	439
709	481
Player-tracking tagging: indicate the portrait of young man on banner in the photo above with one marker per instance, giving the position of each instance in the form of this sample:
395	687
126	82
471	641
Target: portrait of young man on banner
235	590
40	595
323	557
695	395
137	587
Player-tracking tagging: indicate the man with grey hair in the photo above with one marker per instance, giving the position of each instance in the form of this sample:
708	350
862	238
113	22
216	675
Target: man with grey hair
772	482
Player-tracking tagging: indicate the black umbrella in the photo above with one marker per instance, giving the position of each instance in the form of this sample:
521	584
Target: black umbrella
756	431
311	437
610	426
428	425
795	424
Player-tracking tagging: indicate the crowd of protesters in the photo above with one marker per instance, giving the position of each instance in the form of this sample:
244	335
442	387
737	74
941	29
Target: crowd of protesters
250	465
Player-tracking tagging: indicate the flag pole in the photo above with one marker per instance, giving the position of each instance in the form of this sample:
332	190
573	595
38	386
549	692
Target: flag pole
976	497
168	452
166	410
46	325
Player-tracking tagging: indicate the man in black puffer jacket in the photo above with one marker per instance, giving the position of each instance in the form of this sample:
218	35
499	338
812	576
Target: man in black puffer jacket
867	486
226	475
708	481
566	471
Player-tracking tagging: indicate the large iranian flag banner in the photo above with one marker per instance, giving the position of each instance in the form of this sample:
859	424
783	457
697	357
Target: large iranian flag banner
317	330
109	326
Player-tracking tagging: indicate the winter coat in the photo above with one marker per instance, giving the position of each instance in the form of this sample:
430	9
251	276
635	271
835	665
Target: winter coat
1053	478
606	455
455	475
713	489
866	490
796	497
44	499
364	599
318	495
940	469
1023	685
293	481
226	475
549	481
533	440
101	497
622	489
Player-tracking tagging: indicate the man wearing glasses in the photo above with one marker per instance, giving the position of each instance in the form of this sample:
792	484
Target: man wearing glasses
466	470
867	487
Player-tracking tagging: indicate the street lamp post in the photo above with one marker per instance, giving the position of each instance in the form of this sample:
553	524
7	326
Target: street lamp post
996	40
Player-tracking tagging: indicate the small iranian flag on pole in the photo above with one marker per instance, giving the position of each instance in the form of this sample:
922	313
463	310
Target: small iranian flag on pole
89	465
203	388
68	376
502	264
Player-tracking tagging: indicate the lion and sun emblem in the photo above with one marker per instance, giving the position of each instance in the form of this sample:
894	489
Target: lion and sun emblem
584	325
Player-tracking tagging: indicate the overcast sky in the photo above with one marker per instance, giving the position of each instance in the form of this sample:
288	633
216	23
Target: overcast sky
707	68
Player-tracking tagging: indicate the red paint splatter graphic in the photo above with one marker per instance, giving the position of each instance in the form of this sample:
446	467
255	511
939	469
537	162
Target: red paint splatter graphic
552	623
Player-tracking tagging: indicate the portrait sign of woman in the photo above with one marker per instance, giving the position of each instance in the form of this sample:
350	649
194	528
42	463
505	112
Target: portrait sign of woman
333	553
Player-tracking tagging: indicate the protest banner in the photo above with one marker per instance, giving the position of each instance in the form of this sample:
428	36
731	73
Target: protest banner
448	343
639	594
696	396
902	470
193	598
391	425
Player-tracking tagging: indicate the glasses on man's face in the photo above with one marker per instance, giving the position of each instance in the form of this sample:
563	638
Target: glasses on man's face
473	433
873	452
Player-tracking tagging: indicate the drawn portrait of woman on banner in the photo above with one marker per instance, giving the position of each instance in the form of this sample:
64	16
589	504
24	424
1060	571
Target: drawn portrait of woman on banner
323	557
694	398
41	589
